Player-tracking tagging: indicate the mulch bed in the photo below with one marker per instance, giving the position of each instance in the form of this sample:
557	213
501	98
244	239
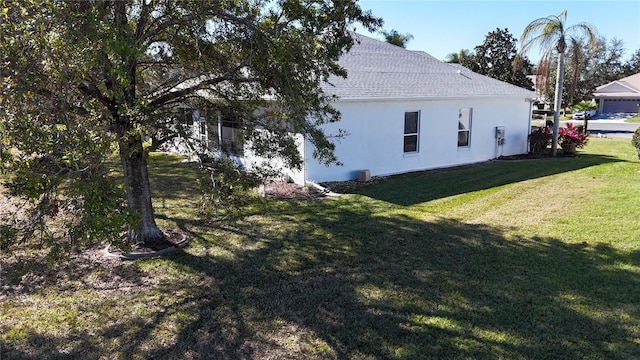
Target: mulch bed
289	191
536	157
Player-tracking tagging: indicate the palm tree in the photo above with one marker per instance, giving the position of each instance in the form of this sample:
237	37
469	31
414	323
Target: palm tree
553	36
461	57
576	57
397	39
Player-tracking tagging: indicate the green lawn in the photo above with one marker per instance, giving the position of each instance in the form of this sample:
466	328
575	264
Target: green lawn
635	119
513	259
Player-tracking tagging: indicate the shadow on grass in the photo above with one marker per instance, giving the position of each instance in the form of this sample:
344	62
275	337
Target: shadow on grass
343	283
403	190
334	279
172	178
389	287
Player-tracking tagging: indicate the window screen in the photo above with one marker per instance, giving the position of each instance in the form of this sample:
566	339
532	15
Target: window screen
411	125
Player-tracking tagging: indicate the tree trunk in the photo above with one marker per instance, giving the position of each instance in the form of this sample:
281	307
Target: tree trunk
134	164
557	103
586	122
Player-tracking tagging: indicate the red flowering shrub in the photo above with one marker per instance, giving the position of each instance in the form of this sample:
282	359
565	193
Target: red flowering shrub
572	135
539	140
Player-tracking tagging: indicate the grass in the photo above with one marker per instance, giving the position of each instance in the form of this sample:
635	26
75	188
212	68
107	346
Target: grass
635	119
513	259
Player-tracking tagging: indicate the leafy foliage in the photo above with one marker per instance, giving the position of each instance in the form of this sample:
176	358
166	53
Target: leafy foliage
539	140
585	105
594	66
225	185
635	141
62	171
633	65
495	58
460	57
78	76
396	38
573	135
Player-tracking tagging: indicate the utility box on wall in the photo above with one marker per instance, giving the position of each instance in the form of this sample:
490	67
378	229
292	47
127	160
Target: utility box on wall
500	135
364	175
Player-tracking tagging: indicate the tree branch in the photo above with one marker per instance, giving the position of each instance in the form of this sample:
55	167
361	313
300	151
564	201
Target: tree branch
144	19
163	26
173	95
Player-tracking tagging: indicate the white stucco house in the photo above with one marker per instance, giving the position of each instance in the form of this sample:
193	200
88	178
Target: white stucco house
620	96
407	111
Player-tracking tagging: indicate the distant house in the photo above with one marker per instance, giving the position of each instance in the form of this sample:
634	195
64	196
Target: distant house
407	111
541	97
620	96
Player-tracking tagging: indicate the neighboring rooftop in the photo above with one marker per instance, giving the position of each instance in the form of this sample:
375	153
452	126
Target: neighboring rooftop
625	87
378	70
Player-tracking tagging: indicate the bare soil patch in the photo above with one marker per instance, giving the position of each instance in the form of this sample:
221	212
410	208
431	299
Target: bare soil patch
289	191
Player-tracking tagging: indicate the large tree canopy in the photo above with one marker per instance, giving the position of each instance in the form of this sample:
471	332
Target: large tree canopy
632	66
81	78
495	58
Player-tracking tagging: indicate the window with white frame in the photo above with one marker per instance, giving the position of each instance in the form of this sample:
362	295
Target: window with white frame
203	131
464	127
230	135
411	126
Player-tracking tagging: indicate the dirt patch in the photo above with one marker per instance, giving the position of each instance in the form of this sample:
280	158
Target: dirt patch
27	270
343	187
289	191
11	209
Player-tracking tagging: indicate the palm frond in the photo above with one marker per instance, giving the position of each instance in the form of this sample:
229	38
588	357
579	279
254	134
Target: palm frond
583	30
544	71
542	32
576	56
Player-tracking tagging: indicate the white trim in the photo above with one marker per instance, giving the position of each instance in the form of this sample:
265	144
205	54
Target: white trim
634	90
470	119
417	133
427	98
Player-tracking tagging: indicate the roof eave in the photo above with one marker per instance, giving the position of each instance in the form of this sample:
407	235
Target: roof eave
532	97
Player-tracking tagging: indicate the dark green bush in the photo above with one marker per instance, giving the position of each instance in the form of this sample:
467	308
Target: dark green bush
635	141
539	140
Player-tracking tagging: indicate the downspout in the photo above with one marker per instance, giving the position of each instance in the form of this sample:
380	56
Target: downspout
530	120
219	132
304	160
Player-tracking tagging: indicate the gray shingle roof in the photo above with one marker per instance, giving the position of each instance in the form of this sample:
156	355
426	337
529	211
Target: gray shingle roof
632	83
378	70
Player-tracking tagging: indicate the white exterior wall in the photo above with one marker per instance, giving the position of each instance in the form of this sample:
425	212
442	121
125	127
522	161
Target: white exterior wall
376	135
252	161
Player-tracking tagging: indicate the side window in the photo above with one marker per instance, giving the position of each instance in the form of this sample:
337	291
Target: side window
203	131
231	139
411	126
185	116
464	127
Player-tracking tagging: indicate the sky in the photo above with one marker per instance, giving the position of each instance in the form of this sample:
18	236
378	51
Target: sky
443	27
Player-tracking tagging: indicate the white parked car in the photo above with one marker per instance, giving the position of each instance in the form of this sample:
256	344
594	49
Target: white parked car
579	115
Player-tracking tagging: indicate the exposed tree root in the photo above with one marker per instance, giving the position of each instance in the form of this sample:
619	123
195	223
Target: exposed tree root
174	241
